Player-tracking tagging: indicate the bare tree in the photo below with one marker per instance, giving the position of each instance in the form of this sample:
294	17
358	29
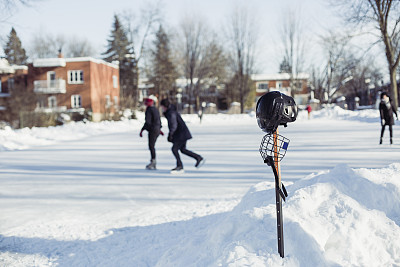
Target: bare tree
365	75
340	62
139	30
141	27
7	7
212	67
384	16
293	45
242	38
45	45
77	47
193	37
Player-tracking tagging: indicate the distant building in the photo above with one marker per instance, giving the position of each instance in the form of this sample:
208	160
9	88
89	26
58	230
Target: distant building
75	84
281	82
10	77
209	93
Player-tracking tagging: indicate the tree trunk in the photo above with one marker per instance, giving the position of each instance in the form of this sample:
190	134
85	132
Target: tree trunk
393	87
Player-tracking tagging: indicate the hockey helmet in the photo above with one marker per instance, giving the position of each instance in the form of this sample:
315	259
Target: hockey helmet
274	109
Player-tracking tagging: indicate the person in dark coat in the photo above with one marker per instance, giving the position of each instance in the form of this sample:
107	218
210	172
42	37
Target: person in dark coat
386	110
153	126
178	135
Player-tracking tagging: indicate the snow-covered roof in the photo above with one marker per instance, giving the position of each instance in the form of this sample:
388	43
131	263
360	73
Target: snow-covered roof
278	76
61	62
49	62
5	67
95	60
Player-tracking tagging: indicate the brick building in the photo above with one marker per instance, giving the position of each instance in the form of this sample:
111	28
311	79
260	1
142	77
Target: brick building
75	84
281	82
11	77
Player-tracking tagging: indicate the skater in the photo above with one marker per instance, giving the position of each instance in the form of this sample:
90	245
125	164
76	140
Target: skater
178	135
153	126
308	108
386	110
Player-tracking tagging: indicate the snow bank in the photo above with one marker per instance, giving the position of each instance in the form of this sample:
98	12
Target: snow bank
26	138
36	136
343	217
366	115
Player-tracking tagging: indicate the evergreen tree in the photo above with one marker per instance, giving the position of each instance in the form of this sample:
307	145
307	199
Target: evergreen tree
120	49
117	43
15	54
163	73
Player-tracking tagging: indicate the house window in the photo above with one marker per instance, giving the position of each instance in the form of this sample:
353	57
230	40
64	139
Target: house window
115	81
76	101
108	101
263	86
51	78
51	75
116	101
279	85
10	84
52	101
75	76
298	85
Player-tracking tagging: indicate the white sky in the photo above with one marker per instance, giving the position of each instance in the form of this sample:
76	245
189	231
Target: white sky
92	19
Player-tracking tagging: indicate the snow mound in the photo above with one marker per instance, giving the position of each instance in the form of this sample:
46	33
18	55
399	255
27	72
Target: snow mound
336	218
343	217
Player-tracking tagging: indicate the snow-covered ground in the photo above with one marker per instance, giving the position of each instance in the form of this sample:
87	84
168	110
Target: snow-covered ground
78	195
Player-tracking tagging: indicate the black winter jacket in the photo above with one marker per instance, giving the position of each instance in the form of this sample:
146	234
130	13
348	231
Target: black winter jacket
177	127
152	120
387	113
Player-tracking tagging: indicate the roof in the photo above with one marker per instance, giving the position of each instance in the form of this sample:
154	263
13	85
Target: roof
61	62
6	68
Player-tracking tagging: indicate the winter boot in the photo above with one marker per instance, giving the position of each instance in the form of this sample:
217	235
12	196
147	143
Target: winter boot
391	141
380	141
152	165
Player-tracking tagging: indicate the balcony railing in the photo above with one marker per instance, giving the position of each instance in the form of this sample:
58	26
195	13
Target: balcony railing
50	87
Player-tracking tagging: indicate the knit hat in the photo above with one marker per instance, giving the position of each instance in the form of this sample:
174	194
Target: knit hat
148	102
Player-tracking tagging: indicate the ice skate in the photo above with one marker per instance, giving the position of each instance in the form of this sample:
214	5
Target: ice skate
178	169
200	162
152	165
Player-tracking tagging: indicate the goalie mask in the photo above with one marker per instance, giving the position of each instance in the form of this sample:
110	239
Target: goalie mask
274	109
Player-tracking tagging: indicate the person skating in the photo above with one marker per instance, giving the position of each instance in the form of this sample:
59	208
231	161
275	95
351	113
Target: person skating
178	134
309	109
386	110
153	126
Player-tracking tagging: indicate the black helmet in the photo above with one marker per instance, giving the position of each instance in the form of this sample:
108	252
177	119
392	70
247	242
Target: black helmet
274	109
